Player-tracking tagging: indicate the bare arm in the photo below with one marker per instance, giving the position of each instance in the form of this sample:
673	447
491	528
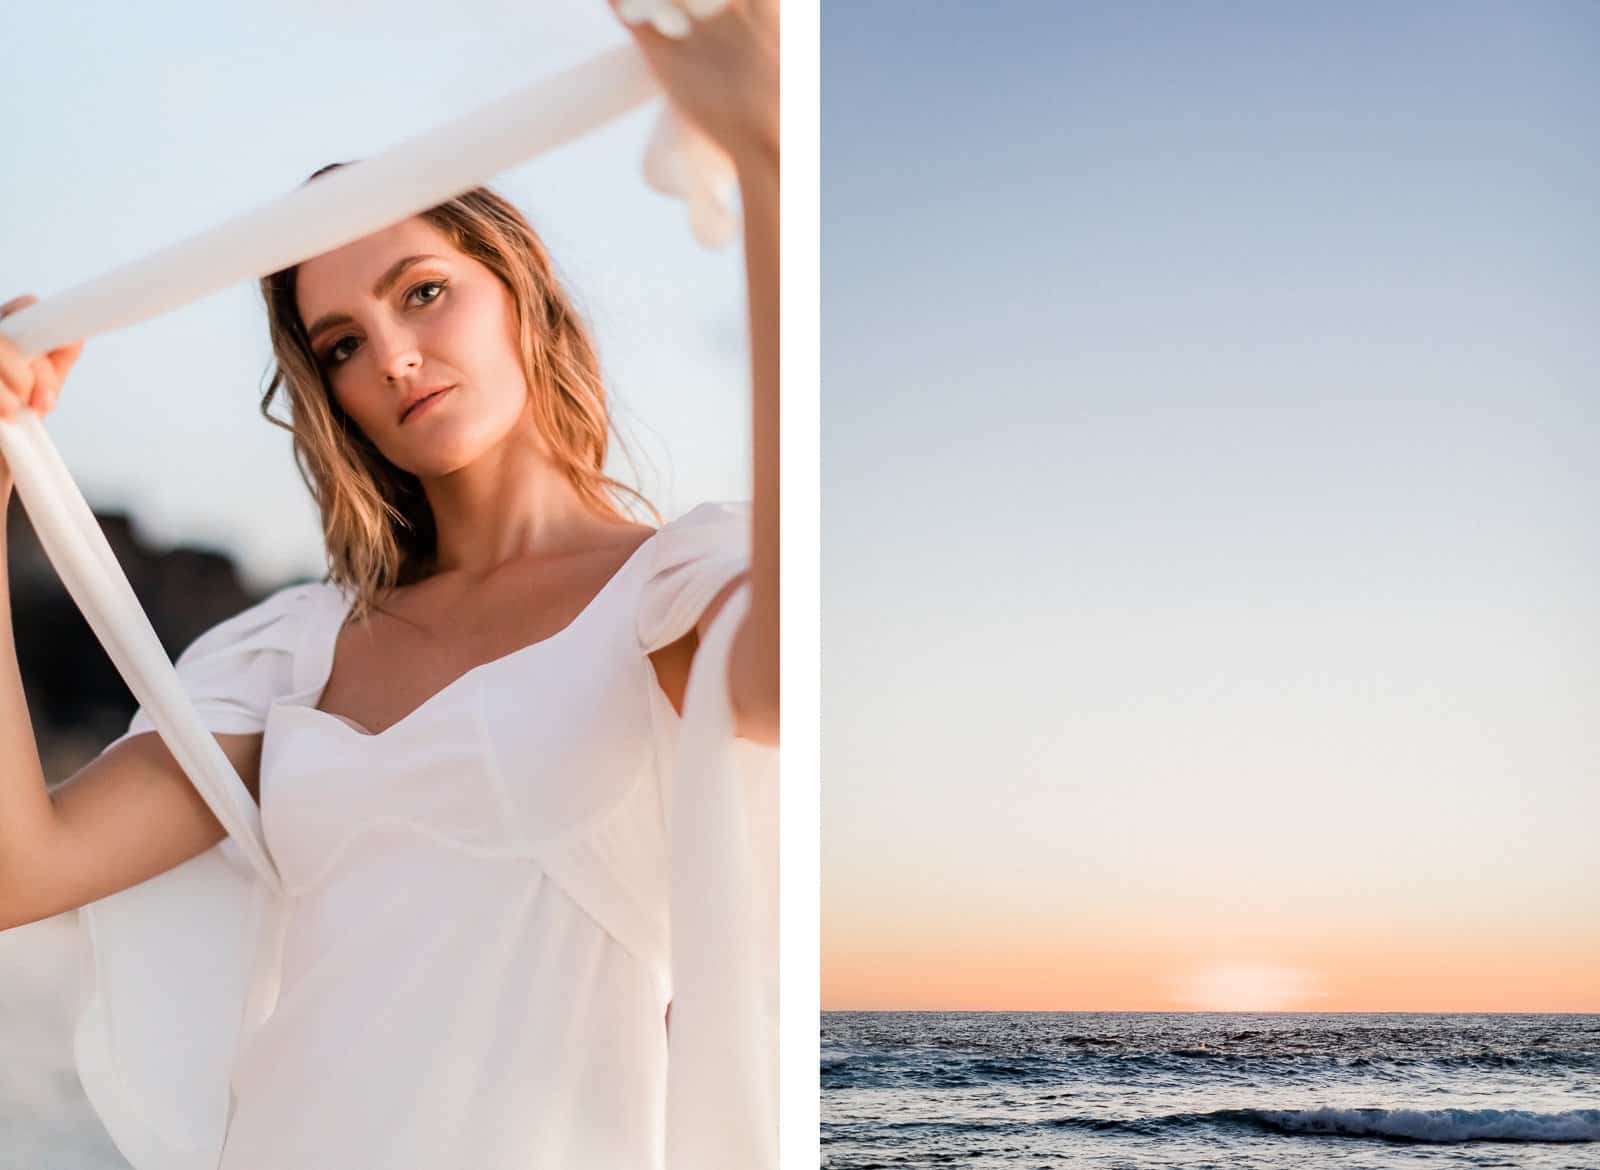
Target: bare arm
24	799
127	816
753	658
724	76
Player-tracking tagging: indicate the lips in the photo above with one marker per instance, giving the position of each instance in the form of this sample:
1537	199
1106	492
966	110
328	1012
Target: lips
422	396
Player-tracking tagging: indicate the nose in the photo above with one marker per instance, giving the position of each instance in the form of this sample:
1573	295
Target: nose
395	349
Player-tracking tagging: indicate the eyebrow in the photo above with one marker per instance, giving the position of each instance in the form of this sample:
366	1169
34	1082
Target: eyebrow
384	284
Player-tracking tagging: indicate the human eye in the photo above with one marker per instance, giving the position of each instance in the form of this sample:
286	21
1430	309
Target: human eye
434	284
331	356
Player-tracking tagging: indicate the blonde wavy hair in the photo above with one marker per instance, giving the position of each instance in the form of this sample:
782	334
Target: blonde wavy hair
376	522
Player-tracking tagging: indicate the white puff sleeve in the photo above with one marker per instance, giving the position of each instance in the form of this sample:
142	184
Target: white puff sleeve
170	973
722	827
693	558
234	671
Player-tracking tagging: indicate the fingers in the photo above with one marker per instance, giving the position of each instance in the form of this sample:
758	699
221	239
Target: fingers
705	9
671	22
672	19
17	377
61	362
46	385
34	383
16	303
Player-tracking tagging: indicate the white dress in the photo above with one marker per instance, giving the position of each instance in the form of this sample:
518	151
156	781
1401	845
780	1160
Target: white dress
474	949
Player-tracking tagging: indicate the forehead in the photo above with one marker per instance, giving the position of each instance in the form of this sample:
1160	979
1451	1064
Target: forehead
337	280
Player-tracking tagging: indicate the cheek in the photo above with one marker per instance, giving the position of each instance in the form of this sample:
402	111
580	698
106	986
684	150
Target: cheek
496	358
483	321
368	416
362	409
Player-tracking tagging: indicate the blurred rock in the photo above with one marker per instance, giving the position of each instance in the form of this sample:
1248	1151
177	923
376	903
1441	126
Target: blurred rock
76	698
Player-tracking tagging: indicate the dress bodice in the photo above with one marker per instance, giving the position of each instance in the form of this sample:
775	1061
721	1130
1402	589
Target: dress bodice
471	955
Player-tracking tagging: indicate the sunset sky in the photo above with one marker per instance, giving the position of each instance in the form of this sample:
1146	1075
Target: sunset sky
1211	578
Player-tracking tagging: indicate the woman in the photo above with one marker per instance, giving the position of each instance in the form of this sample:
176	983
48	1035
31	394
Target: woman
461	741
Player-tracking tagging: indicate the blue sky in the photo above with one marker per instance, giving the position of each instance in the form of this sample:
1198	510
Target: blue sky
1208	478
133	128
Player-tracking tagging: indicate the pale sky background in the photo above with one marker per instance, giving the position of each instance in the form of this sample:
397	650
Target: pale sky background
130	128
1209	470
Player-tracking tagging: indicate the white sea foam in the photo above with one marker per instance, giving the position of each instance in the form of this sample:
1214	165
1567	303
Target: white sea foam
1438	1125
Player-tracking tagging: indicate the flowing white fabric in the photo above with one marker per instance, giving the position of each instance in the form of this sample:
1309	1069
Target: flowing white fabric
722	813
173	968
722	1089
355	201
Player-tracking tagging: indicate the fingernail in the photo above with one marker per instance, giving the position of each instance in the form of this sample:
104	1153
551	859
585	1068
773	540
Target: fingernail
671	22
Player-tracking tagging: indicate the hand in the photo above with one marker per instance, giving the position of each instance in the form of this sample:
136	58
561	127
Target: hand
34	384
723	75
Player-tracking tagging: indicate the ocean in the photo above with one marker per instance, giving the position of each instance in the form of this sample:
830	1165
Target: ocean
1198	1090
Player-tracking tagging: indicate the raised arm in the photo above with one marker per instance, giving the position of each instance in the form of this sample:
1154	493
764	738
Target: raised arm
724	77
129	814
753	670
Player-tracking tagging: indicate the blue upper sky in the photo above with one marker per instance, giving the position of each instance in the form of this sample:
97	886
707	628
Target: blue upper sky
1209	470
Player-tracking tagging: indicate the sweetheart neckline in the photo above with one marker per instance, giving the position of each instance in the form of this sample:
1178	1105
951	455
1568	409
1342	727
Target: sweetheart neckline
354	729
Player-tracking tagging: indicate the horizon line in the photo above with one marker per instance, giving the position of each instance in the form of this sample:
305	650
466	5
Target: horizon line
1189	1012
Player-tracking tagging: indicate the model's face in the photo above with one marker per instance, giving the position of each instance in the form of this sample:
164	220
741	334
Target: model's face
443	320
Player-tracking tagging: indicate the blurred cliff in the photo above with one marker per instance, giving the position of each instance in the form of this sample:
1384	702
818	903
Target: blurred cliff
77	700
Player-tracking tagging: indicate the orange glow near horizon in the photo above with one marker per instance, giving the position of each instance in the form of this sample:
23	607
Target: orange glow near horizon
1365	975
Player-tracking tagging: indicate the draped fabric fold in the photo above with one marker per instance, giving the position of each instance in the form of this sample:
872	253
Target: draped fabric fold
172	972
722	1073
722	827
177	968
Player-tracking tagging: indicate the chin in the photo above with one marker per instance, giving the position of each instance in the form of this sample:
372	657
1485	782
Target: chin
437	463
439	450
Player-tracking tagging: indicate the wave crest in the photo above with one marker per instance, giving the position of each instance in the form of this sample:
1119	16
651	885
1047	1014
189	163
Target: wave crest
1428	1125
1397	1125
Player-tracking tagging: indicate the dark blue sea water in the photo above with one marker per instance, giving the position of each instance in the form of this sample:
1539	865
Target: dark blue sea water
1200	1090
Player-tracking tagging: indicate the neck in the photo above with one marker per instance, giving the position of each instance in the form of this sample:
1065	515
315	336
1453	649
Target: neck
513	502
